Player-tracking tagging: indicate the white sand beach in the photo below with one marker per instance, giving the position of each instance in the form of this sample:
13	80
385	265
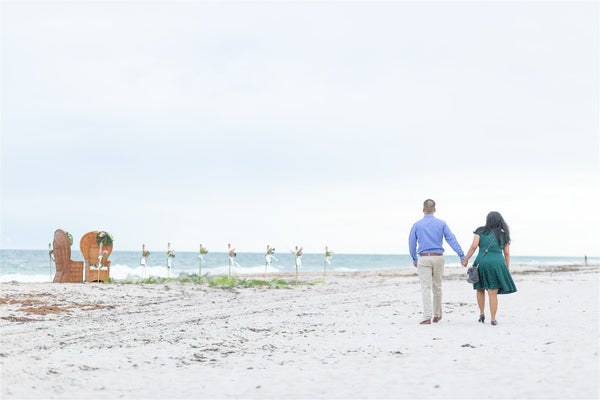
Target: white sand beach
356	336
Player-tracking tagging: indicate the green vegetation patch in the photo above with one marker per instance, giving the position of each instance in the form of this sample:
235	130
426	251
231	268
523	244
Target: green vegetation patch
217	282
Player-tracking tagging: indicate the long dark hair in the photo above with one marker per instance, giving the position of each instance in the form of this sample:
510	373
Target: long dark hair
495	222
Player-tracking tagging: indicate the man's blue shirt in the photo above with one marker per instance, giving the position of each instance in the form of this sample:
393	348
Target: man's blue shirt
429	232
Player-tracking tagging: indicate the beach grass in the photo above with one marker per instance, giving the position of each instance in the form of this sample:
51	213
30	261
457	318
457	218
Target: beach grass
217	282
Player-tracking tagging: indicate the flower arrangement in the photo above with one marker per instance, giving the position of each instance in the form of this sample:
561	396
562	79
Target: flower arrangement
145	253
104	254
270	250
298	254
232	253
104	238
328	255
171	253
70	238
203	250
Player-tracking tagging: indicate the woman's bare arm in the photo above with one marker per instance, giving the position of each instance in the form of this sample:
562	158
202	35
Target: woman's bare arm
506	251
473	247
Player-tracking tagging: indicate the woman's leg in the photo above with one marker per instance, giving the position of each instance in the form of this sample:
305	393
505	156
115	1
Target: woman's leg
481	301
493	295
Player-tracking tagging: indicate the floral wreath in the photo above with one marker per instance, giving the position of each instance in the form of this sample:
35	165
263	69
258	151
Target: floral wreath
104	238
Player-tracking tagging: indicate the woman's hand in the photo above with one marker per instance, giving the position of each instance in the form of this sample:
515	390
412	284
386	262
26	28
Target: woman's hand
464	262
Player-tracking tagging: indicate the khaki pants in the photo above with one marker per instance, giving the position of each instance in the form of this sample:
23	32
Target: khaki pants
431	271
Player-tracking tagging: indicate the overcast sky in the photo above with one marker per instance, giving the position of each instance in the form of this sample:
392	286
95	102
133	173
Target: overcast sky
299	123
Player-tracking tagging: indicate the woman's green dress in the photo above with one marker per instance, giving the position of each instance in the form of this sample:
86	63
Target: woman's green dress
493	273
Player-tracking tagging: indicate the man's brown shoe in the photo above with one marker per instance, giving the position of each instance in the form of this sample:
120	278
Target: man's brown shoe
437	319
426	322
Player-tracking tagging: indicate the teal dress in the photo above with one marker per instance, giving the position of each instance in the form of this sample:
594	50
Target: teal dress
493	272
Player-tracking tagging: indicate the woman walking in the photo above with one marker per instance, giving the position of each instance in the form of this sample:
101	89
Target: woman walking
493	241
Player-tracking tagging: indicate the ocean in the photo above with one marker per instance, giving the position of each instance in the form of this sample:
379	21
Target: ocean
35	265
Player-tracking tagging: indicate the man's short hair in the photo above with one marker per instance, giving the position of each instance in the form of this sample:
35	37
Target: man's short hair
429	205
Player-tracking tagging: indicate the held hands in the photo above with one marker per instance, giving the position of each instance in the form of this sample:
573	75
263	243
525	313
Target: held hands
464	262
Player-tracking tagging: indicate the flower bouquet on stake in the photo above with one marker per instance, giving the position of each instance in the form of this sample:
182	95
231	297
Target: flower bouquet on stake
203	251
269	257
103	239
232	254
328	255
170	256
145	254
298	255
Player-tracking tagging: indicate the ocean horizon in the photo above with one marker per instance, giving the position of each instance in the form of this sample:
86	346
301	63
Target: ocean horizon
36	266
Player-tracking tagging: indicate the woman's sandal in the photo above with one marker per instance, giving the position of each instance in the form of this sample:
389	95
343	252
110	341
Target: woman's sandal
482	318
494	322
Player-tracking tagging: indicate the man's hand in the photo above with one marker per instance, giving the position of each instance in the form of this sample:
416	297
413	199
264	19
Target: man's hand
415	264
464	262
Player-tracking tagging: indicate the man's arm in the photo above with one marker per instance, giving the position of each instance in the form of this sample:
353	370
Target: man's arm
412	245
451	240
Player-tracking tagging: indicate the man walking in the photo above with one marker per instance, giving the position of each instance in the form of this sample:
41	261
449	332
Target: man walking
429	233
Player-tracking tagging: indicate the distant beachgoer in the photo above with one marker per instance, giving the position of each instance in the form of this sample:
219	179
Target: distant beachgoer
585	258
494	268
429	233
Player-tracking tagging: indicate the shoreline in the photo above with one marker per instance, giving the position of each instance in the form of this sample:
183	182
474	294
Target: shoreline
450	272
354	336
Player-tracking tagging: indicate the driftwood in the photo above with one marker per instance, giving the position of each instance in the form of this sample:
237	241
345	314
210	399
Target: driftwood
91	251
67	270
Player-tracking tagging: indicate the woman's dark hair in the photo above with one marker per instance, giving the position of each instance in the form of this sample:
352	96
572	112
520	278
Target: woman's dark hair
495	222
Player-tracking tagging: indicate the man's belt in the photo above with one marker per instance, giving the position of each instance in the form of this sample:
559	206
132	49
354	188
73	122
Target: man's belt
430	254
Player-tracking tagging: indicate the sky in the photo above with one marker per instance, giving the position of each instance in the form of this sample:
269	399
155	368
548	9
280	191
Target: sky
299	123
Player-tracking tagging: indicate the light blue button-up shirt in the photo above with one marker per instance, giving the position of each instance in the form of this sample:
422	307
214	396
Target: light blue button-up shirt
430	232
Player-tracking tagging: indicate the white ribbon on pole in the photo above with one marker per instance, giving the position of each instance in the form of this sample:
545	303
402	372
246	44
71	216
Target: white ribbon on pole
143	264
269	259
234	263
